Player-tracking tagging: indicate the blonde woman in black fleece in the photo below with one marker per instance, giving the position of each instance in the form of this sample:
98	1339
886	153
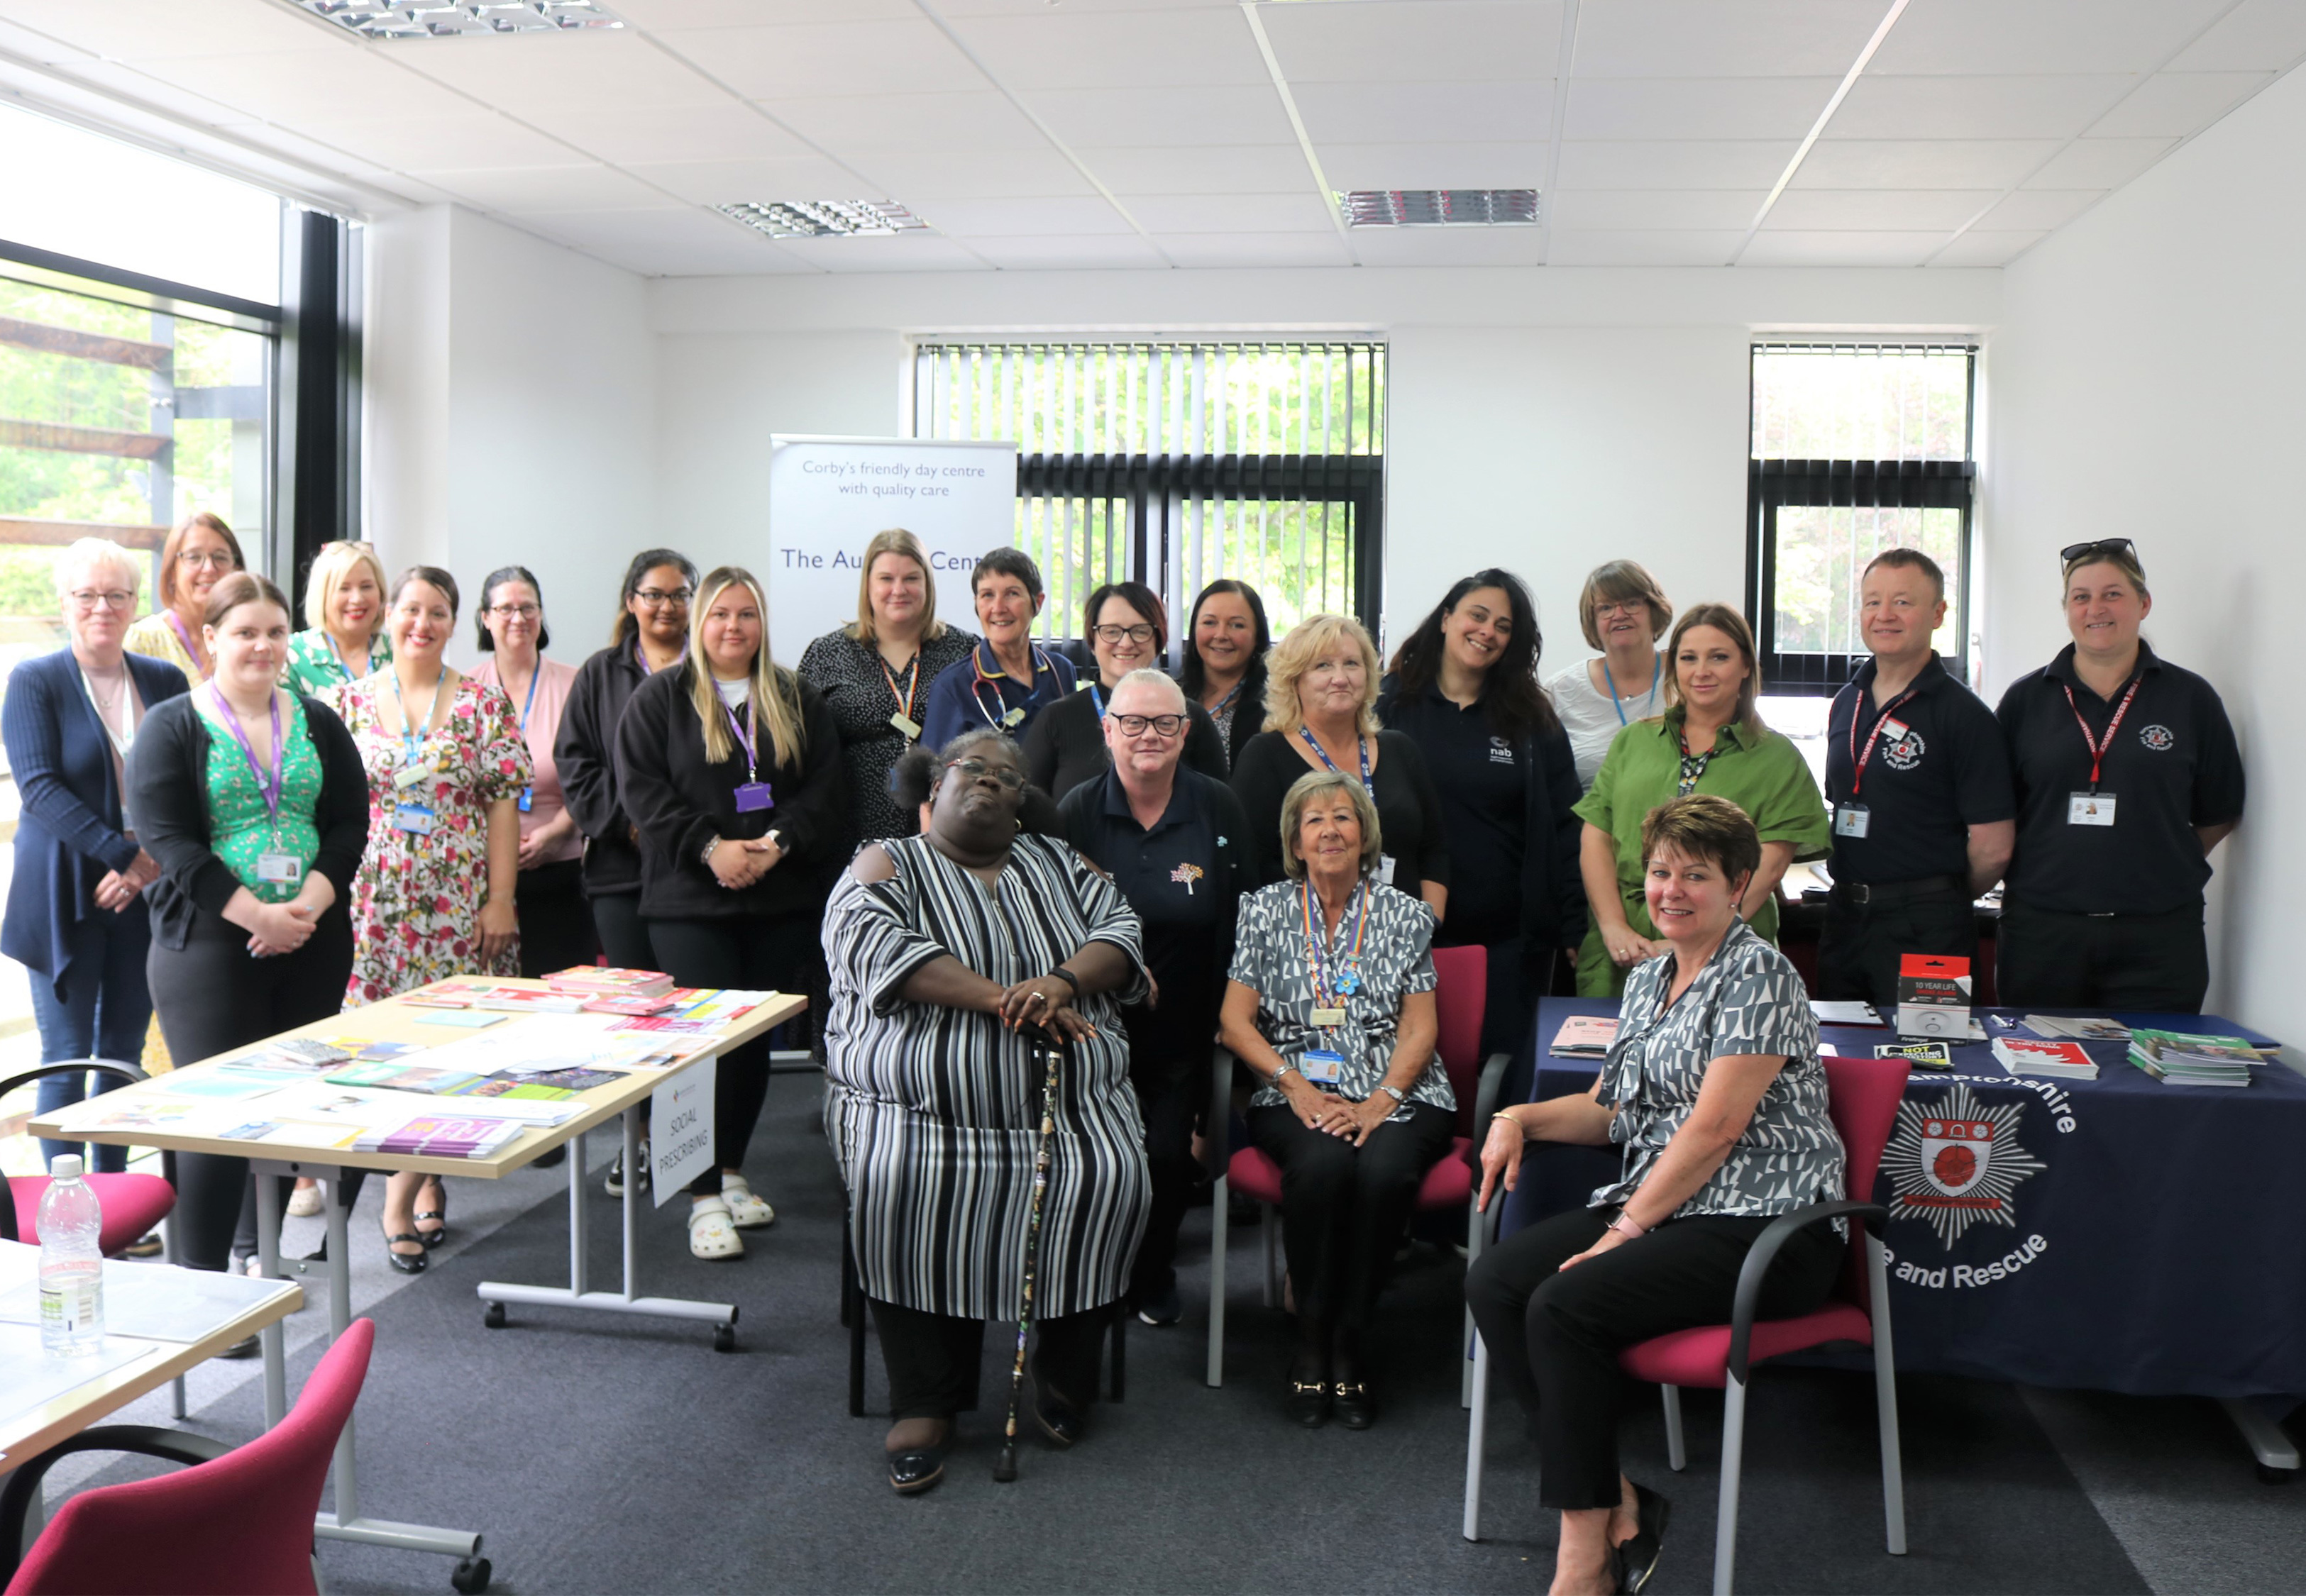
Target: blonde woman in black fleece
729	766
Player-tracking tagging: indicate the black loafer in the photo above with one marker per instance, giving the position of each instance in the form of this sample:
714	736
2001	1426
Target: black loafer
1640	1550
408	1263
919	1469
1355	1408
1057	1419
1309	1403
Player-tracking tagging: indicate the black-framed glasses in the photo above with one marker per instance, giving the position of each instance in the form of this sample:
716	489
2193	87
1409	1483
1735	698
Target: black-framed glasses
515	612
1135	725
657	597
2123	547
110	598
1109	636
977	770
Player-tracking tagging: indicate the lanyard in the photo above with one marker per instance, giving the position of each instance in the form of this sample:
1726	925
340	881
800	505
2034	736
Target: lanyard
535	677
1323	754
192	649
2098	747
1657	669
641	654
1096	701
1325	994
912	684
267	781
994	717
1693	765
411	739
1231	693
121	741
338	659
752	759
1858	759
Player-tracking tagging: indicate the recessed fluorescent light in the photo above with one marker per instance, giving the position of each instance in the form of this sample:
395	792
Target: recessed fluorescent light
823	218
441	19
1440	208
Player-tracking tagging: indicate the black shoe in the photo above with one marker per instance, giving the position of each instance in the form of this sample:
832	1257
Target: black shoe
433	1238
1640	1549
1309	1402
1355	1408
557	1156
247	1347
1057	1419
148	1245
1162	1307
615	1184
408	1263
1617	1571
917	1469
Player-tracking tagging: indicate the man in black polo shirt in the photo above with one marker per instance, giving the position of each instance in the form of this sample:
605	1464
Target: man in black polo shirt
1177	844
2127	775
1918	780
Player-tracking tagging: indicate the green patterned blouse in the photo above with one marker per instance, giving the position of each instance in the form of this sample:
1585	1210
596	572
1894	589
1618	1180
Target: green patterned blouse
239	827
317	671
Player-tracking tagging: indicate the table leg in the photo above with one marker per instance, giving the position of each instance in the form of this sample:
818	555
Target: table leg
2277	1453
272	1338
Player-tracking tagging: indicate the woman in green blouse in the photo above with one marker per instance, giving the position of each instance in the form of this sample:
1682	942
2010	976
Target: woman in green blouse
1710	739
344	638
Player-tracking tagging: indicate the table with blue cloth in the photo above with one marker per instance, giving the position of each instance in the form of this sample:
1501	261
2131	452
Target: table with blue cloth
2116	1234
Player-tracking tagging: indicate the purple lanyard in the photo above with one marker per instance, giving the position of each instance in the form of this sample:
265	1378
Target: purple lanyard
1323	754
752	760
192	649
267	782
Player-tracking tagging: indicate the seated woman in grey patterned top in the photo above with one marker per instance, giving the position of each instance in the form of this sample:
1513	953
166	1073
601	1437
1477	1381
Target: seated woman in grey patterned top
1714	1089
1330	1003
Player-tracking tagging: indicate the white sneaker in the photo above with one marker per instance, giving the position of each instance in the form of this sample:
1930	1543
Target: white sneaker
745	1210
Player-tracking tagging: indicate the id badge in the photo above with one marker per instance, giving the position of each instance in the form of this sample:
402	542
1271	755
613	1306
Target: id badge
753	797
283	869
1385	869
908	727
1322	1067
2089	808
526	794
1013	718
408	776
1335	1016
1850	820
414	819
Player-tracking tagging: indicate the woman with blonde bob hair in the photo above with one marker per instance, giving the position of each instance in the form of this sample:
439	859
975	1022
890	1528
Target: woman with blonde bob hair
344	638
1320	714
729	766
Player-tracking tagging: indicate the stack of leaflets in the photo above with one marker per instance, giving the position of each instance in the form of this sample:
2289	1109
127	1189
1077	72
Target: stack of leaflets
587	980
1918	1056
2177	1058
1584	1035
2067	1060
403	1078
442	1135
307	1051
521	999
2068	1027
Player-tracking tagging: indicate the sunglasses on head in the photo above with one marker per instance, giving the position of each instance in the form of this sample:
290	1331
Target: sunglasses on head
2123	547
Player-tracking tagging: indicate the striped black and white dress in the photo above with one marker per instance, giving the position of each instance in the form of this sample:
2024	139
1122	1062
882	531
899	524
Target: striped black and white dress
933	1112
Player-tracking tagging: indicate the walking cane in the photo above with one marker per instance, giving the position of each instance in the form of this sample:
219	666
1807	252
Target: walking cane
1042	1046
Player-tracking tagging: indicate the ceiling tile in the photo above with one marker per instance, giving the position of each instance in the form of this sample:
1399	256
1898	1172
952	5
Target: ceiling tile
1447	246
1424	113
1693	164
995	8
137	83
660	14
518	191
1705	38
1696	107
658	242
1646	247
173	29
881	56
1201	169
1021	218
40	48
2005	108
1254	249
1072	49
2040	36
907	252
923	175
1922	163
2177	105
1069	254
1867	211
1398	41
333	83
527	70
461	140
2100	163
1434	166
970	119
715	128
2037	210
1581	211
725	182
2257	36
1301	212
1220	114
1841	249
1976	248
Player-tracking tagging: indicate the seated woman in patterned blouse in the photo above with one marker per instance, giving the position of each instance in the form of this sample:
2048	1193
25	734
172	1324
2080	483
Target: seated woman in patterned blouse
1714	1089
1331	1004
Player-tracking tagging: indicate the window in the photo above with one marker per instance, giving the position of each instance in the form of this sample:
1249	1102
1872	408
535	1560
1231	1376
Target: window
1177	463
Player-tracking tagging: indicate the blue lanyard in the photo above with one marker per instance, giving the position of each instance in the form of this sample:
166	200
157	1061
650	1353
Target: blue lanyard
535	677
1657	669
338	659
994	717
1096	701
412	741
1323	754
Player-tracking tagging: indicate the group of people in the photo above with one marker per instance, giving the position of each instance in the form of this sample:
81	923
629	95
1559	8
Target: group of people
957	837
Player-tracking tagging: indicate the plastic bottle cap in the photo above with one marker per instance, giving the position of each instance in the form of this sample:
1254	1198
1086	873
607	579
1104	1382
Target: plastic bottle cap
66	1167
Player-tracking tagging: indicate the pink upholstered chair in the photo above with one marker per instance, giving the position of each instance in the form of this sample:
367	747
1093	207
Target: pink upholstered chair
132	1204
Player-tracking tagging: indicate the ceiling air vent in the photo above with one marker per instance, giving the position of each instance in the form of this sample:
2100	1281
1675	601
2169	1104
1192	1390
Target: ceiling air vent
440	19
1440	208
823	218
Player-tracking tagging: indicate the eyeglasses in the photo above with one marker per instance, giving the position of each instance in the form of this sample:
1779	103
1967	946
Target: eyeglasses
1620	607
87	599
216	560
657	598
1109	636
2123	547
1135	725
977	770
515	612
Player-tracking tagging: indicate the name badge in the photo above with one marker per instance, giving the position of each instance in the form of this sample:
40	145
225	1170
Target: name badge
526	794
408	776
1851	820
1329	1016
2089	808
282	868
414	819
1322	1067
1014	718
910	728
754	796
1385	868
1894	729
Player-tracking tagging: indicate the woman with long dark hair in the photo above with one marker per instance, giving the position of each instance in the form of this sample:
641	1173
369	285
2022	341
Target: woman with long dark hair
1464	689
1225	642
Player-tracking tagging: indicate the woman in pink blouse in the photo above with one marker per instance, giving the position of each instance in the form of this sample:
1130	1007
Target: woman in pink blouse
556	926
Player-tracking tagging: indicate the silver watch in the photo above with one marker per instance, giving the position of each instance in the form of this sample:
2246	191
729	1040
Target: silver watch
1395	1092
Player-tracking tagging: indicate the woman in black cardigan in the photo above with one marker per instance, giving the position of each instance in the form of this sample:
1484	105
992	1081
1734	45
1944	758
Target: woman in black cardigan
250	935
1226	639
729	766
1127	629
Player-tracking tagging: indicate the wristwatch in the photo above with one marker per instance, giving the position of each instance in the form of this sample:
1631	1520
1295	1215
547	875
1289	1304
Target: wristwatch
1624	1227
707	855
1395	1092
778	837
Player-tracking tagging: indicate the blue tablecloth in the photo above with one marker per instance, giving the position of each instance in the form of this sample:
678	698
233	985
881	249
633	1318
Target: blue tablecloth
2123	1235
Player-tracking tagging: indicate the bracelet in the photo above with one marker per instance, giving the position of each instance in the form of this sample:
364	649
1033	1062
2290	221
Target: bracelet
1069	979
1286	1069
1399	1097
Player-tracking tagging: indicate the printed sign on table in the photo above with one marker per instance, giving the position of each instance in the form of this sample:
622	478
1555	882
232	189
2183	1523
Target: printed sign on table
680	1129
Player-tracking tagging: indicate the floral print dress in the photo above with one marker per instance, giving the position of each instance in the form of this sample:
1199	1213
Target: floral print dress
416	901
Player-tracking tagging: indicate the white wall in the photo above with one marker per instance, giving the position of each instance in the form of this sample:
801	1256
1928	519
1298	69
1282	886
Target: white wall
2145	384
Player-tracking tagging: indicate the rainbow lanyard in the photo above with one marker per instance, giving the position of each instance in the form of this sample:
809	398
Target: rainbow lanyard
1325	993
912	684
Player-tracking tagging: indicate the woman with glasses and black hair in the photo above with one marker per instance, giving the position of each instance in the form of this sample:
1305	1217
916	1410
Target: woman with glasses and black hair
2128	776
199	553
651	632
1225	642
731	769
555	930
1128	630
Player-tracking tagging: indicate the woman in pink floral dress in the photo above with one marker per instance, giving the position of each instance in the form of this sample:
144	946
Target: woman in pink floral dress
434	896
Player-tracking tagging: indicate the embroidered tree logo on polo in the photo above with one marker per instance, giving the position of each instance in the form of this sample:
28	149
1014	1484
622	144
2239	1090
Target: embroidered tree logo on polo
1187	875
1956	1164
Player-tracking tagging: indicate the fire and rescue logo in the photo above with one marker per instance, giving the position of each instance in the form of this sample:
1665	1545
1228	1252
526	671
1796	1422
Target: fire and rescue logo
1904	753
1955	1163
2159	737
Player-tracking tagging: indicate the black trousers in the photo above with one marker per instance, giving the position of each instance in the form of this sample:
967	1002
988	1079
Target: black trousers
1343	1206
1554	1333
2158	963
624	935
1169	1096
750	952
556	928
213	996
934	1360
1857	952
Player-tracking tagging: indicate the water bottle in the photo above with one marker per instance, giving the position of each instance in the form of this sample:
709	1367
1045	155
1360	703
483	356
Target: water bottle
72	1269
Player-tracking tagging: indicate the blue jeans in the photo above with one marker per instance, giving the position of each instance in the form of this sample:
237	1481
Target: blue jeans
103	1012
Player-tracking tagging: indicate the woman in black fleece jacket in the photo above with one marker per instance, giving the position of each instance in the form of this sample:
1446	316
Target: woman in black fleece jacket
729	766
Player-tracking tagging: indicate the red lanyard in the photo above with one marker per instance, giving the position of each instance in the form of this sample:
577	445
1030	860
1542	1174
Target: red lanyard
2098	747
1859	757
